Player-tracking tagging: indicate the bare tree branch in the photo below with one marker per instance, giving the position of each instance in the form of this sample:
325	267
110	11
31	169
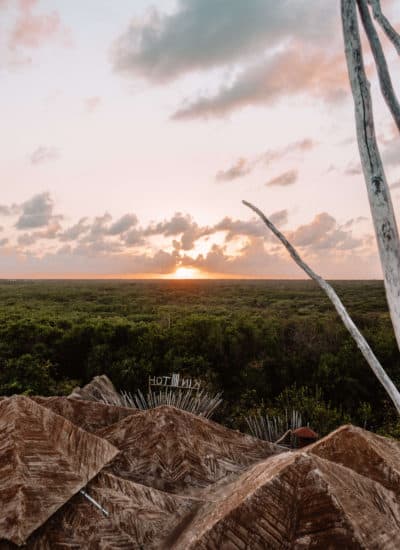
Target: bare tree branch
378	191
390	31
347	321
385	80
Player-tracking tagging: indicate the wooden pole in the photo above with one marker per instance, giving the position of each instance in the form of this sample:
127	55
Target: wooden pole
389	30
385	80
383	216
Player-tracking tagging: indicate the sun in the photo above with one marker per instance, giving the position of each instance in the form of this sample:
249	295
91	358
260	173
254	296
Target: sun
186	273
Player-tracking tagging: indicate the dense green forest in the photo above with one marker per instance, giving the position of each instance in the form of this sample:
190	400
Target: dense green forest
267	345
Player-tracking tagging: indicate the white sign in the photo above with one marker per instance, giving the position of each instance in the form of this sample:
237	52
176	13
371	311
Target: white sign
174	381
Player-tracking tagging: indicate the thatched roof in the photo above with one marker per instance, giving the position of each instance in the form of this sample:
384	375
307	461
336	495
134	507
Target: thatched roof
176	451
294	500
164	478
89	415
364	452
98	389
139	517
45	460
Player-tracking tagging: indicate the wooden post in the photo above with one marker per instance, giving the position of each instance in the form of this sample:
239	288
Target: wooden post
383	216
389	30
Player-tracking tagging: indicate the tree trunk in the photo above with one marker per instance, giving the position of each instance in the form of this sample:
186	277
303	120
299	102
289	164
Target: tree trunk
385	80
378	192
390	31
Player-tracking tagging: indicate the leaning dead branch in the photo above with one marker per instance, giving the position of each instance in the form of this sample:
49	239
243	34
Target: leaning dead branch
385	80
378	191
389	30
347	321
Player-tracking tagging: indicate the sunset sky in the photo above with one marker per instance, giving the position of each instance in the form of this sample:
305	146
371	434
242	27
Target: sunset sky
132	130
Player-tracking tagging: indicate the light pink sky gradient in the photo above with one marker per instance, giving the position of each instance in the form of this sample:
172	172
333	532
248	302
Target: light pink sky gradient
132	130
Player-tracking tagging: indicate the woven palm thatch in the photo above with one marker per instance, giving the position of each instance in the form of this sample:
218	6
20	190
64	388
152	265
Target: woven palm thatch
175	451
370	455
295	500
89	415
44	461
137	517
172	480
100	388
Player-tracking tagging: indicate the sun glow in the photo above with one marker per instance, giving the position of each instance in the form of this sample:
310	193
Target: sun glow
186	273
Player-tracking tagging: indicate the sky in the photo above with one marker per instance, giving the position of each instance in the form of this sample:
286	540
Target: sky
132	130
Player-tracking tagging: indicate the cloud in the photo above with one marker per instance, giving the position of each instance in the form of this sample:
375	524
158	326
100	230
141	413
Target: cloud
235	228
91	104
248	228
36	212
323	233
103	246
99	226
202	34
253	256
294	148
51	231
279	218
244	166
287	178
75	231
23	30
9	210
44	154
241	168
123	224
134	237
102	234
296	43
293	71
177	224
32	30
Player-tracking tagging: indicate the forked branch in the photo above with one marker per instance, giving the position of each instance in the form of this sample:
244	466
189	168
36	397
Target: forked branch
347	321
383	216
385	80
388	28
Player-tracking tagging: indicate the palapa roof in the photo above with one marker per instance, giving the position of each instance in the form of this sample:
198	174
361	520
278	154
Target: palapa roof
166	479
294	500
139	517
89	415
98	389
44	461
174	450
371	455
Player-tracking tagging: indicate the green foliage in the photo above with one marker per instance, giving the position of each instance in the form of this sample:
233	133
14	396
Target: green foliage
26	374
264	344
314	410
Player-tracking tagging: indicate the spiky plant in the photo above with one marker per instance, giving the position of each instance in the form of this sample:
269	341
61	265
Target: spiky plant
275	427
200	403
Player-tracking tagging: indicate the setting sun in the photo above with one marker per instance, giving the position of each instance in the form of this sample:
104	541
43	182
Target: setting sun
186	273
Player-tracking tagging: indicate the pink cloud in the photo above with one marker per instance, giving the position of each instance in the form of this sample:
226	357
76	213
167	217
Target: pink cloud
294	71
32	30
